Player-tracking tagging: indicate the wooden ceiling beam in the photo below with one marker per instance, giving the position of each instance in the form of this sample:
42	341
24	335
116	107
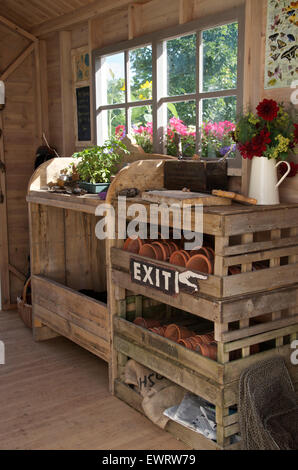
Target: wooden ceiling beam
85	13
17	29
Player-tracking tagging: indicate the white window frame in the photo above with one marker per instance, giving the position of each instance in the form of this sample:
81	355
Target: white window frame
159	77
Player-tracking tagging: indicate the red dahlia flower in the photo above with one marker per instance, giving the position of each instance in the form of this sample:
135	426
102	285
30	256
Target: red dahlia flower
260	141
268	109
246	150
284	168
256	147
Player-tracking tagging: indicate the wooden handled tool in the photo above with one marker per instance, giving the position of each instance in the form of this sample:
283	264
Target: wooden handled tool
235	197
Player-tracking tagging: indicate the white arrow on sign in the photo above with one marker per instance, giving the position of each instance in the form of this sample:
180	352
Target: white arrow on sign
184	278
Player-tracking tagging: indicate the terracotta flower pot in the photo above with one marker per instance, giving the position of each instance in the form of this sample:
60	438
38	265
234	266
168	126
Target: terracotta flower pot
169	250
234	270
186	254
146	322
186	342
211	251
205	339
178	258
159	330
201	251
200	263
175	332
162	253
174	246
149	251
133	246
208	350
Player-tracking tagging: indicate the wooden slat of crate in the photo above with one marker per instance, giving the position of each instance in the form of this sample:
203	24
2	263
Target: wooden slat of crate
187	378
260	338
169	349
121	259
261	220
233	370
191	438
227	336
260	256
261	280
213	223
258	246
253	305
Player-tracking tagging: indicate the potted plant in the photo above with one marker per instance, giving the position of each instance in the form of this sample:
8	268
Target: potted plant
97	164
267	138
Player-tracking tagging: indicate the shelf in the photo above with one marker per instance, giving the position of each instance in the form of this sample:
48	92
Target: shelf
236	219
87	203
129	336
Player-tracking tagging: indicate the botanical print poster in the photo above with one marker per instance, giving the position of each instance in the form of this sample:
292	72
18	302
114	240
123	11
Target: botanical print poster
281	62
82	66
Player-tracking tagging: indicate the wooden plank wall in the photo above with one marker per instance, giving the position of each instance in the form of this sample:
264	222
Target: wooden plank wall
138	19
112	27
19	143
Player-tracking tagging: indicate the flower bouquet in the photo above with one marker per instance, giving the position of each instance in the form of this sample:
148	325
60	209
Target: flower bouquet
267	138
272	132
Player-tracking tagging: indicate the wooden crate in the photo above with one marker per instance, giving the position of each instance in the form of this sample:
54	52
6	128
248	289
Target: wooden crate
72	314
254	307
243	237
215	382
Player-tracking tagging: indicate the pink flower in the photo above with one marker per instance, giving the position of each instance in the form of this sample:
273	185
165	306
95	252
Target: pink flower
120	130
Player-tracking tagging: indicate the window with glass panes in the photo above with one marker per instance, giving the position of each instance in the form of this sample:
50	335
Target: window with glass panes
178	88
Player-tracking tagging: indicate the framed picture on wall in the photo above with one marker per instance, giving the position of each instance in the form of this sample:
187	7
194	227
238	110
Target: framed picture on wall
81	68
281	62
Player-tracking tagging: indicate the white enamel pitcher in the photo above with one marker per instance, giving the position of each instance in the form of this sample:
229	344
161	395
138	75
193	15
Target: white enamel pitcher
263	185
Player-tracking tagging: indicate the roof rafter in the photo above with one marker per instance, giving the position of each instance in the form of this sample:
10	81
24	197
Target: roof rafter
17	29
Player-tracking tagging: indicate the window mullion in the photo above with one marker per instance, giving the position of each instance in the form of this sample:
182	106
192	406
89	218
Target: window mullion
160	77
199	85
127	93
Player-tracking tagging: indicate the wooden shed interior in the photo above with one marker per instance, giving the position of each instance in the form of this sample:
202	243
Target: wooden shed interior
38	42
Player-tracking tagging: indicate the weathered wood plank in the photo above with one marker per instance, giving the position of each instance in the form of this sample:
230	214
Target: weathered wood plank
260	256
70	304
260	338
98	346
261	280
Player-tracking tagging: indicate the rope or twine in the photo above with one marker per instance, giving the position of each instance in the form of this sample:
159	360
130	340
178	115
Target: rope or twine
47	144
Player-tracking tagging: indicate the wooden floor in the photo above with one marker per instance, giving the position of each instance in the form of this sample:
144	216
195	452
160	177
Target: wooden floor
54	395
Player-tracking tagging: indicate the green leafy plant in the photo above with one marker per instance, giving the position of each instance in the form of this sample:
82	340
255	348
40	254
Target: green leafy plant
97	164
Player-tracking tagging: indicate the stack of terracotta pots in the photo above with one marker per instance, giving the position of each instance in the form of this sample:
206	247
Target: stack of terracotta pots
203	344
201	260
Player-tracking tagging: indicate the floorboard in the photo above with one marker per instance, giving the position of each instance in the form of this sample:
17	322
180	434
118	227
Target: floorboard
54	395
